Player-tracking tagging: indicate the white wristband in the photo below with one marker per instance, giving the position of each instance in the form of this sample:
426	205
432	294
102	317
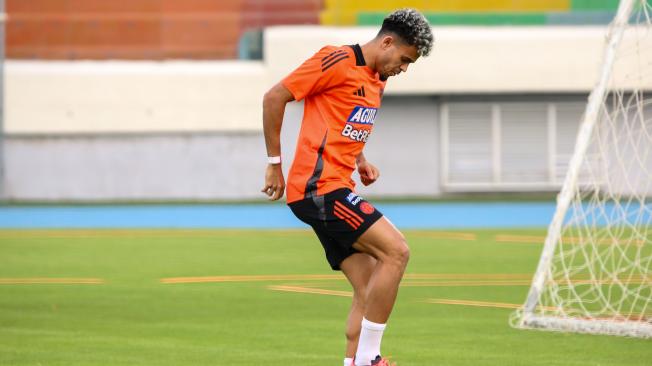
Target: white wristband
274	159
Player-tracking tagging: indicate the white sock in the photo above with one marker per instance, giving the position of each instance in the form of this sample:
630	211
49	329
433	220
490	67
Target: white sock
369	344
348	361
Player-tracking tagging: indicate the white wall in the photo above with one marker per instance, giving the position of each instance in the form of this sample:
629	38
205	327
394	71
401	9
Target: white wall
46	97
118	167
181	96
192	130
473	59
215	165
404	146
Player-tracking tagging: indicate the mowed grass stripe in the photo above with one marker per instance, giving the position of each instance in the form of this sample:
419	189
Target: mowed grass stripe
191	233
253	278
137	320
475	303
461	279
484	304
444	235
633	280
310	290
465	283
319	277
530	239
198	233
139	233
503	305
472	276
45	281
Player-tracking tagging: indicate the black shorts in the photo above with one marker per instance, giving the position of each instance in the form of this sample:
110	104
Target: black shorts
338	218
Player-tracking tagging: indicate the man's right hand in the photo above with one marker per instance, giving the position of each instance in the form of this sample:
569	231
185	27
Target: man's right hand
274	182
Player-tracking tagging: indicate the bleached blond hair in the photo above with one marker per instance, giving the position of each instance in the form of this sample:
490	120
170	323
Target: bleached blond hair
412	27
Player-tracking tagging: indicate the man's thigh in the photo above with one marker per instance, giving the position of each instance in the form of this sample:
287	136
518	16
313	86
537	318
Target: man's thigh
381	239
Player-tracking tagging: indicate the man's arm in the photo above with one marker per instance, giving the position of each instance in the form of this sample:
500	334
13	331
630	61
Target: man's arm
360	159
274	103
368	172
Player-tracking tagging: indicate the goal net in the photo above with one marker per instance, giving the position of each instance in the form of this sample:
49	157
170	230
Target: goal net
595	271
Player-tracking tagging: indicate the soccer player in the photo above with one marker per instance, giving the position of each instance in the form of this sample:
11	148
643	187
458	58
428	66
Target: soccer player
342	88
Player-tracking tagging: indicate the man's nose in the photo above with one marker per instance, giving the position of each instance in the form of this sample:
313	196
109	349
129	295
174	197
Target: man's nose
404	67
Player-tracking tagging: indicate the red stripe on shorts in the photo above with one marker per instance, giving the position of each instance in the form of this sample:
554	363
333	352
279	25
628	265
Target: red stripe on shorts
348	220
349	211
347	215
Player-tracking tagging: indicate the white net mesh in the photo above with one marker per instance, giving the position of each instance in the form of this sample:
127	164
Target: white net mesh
596	276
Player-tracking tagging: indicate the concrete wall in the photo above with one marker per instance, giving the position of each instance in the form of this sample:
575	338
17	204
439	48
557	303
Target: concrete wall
404	145
209	165
480	59
467	59
85	97
176	96
122	167
192	130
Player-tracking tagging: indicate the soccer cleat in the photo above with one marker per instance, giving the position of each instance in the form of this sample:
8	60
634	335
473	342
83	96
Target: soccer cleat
379	361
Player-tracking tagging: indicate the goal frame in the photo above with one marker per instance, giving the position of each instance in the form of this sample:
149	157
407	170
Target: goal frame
527	318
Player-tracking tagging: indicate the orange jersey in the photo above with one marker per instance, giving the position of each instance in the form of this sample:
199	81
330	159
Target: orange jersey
342	96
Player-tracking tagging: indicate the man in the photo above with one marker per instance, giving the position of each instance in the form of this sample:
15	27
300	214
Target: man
342	88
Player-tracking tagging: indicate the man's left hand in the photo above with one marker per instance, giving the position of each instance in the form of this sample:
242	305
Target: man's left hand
368	173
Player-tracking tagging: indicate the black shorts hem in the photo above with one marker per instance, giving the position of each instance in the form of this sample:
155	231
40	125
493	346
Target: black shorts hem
338	218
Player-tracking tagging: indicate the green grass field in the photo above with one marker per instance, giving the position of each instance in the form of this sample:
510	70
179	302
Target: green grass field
132	318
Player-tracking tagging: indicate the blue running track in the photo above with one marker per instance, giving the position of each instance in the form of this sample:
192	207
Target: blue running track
259	216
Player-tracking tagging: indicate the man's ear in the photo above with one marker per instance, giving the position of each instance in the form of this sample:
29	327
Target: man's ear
386	42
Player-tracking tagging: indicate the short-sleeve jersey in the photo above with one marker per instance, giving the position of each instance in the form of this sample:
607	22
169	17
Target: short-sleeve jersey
341	99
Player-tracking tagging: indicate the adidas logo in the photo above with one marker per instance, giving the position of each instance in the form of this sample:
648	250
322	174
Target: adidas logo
360	92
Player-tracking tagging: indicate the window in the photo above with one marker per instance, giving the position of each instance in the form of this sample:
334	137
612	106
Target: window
507	144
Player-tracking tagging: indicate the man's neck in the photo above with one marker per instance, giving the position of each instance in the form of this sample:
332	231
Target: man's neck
369	54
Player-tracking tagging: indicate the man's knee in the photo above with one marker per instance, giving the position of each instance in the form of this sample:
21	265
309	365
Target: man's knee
400	252
404	253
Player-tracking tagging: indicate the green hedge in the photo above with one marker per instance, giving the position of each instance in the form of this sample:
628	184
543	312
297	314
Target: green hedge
497	19
594	4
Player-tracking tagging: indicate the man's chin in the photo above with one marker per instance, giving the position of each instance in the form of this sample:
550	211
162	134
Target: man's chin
384	77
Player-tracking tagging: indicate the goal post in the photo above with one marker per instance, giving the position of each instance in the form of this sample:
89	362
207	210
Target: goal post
595	272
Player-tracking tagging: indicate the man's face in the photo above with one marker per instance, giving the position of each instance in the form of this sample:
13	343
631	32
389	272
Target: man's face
395	57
